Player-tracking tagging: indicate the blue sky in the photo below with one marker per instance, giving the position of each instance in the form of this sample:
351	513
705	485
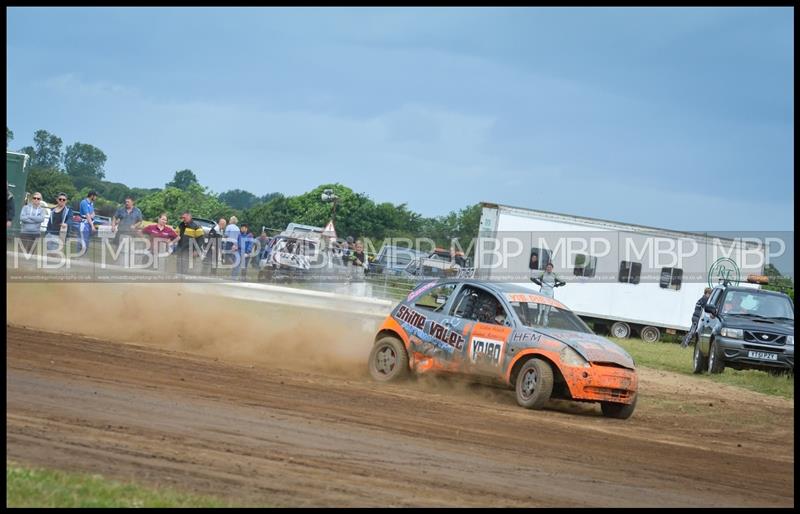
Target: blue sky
676	118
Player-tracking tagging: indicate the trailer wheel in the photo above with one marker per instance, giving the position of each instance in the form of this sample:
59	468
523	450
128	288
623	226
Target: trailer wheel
620	330
650	334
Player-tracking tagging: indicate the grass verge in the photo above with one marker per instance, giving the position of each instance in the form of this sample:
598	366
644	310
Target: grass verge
37	487
671	357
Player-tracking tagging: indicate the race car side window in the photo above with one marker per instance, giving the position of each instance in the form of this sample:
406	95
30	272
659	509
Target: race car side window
436	298
478	305
464	303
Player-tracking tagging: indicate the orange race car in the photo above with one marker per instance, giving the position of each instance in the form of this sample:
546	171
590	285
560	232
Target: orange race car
506	332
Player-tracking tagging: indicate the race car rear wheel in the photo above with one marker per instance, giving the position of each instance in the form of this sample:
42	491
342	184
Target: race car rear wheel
618	410
534	384
388	360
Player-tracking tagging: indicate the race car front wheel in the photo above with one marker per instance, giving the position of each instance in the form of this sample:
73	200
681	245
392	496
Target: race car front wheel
618	410
534	384
388	360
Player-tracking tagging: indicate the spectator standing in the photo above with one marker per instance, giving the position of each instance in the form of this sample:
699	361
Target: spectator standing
215	246
246	244
86	210
57	224
261	242
190	241
161	237
10	206
696	315
347	248
358	268
232	242
358	261
126	223
547	282
31	218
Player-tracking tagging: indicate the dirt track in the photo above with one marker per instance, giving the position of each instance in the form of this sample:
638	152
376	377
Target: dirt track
269	435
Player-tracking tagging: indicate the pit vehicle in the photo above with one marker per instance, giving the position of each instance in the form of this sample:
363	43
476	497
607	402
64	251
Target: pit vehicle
494	331
206	224
393	260
436	264
745	328
303	254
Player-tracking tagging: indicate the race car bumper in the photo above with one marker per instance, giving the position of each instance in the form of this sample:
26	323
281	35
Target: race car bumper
601	382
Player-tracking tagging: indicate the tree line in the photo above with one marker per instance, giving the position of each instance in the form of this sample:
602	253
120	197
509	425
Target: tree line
80	167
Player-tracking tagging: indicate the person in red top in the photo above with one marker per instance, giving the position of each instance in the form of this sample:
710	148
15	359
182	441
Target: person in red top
162	236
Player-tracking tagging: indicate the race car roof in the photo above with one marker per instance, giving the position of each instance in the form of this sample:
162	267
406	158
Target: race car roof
497	287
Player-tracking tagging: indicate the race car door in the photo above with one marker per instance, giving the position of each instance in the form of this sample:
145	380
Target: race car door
434	341
482	320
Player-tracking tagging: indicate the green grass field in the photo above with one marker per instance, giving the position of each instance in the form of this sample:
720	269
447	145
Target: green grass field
671	357
36	487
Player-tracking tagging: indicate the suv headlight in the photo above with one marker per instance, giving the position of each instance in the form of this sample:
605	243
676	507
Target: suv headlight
572	358
790	340
733	333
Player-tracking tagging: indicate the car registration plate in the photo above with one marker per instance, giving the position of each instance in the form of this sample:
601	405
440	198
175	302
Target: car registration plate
763	355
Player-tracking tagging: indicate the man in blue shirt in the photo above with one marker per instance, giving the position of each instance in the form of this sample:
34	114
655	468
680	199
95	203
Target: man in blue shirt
246	244
87	220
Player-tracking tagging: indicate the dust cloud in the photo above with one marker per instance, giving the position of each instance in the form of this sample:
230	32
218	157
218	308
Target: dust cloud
176	317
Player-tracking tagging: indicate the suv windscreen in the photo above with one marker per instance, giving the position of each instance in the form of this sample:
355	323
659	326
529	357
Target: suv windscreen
745	303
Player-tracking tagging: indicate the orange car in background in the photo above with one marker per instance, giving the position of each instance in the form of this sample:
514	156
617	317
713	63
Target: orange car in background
509	333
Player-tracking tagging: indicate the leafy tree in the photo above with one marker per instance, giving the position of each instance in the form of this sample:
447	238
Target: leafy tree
356	214
50	182
82	160
196	199
274	214
28	150
141	192
47	150
87	181
269	196
457	228
183	179
9	135
777	282
238	198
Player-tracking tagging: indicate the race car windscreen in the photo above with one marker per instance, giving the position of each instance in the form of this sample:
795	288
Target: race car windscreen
534	314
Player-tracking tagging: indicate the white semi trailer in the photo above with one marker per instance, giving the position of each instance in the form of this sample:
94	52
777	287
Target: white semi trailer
620	277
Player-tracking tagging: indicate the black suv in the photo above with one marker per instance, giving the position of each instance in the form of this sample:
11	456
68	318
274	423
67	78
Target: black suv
745	328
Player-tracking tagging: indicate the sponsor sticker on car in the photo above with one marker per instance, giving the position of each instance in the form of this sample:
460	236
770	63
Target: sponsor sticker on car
486	351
